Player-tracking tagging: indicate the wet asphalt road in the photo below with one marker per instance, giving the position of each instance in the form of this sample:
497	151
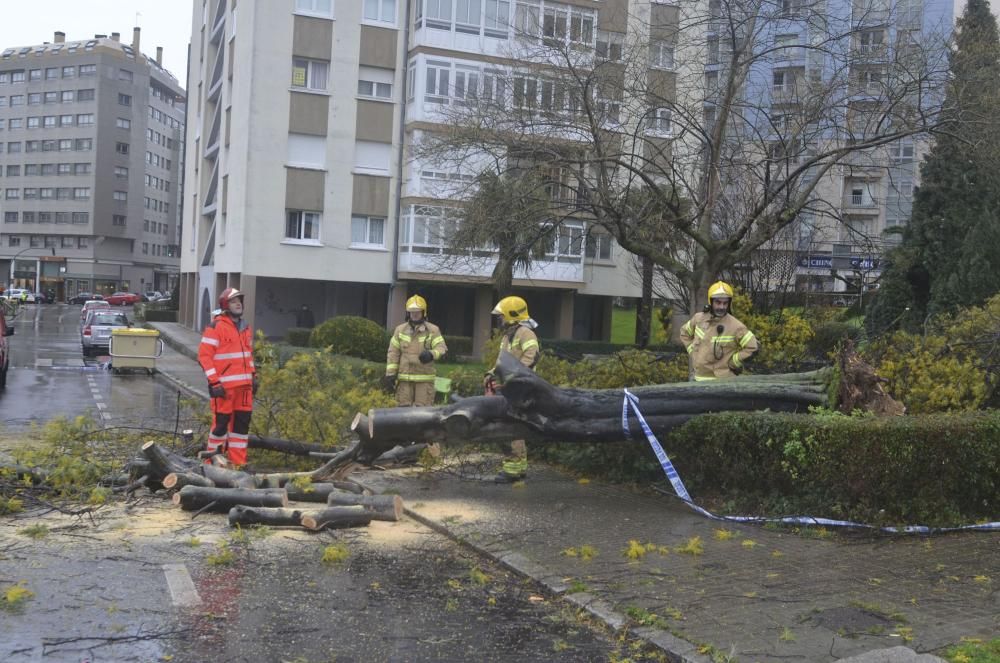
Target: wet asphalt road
49	377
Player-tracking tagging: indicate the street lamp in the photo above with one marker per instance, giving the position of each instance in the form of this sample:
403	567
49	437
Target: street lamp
10	281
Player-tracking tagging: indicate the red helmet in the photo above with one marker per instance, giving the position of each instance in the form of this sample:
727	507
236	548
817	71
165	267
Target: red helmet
227	294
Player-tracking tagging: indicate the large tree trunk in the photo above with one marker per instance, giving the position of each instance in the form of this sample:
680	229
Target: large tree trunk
221	500
336	517
382	507
644	310
259	515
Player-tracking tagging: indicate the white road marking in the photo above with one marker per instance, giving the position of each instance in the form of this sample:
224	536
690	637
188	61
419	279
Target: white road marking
43	363
101	406
182	589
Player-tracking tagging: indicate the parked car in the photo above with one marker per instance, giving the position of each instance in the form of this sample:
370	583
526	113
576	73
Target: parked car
122	299
5	331
20	294
42	298
92	305
84	297
95	336
151	295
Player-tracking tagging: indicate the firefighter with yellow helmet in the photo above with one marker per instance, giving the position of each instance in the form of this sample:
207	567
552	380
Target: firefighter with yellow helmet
520	340
414	347
719	345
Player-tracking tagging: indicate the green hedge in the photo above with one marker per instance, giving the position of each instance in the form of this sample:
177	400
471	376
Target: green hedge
352	336
939	470
159	315
298	336
572	347
458	345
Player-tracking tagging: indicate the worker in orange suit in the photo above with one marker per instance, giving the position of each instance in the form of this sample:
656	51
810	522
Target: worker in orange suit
226	356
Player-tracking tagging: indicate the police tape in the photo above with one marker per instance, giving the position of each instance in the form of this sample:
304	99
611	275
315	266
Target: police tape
631	402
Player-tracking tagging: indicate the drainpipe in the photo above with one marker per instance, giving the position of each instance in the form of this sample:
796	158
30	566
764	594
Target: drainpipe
399	168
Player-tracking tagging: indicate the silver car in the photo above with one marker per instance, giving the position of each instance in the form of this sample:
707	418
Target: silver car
95	334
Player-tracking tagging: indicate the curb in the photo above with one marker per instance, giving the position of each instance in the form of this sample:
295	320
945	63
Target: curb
180	384
677	649
174	343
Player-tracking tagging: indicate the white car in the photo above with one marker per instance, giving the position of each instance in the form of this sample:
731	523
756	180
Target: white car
21	295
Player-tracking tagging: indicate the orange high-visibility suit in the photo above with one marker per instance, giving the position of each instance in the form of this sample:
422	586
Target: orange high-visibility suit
226	356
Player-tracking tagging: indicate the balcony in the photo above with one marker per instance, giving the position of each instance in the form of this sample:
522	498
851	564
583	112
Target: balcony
415	259
861	201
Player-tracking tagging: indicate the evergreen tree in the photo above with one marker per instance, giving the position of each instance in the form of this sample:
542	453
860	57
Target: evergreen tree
950	255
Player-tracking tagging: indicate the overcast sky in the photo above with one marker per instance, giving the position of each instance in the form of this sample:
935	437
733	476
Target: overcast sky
165	23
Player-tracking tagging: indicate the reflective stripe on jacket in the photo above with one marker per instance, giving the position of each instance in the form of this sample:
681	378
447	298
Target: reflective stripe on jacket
715	353
523	344
405	346
226	352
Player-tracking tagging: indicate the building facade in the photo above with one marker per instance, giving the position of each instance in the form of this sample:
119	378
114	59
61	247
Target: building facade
301	184
90	141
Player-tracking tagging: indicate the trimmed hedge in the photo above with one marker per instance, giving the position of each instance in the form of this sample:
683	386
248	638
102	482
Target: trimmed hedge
941	470
298	336
352	336
458	345
159	315
565	346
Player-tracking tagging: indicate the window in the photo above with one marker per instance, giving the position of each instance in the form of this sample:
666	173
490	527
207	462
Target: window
302	226
68	72
121	148
65	144
36	241
16	100
309	74
30	193
367	231
120	171
123	123
318	7
45	217
65	121
527	18
13	171
780	82
49	122
15	123
10	217
81	193
84	144
567	245
15	147
68	242
383	11
661	55
32	146
17	76
659	121
27	217
871	41
35	75
438	76
3	101
562	22
61	217
125	75
4	77
30	169
375	83
13	241
787	47
118	219
124	99
51	98
12	194
85	95
900	152
599	246
468	16
81	168
34	122
63	193
437	14
145	248
65	169
609	45
67	96
120	196
85	119
34	98
81	217
498	18
88	70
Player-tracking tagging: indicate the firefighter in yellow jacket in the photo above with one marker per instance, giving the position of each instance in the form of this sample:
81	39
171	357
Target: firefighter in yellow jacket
519	340
717	342
414	347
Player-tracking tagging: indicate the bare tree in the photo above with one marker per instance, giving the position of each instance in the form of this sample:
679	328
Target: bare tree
702	133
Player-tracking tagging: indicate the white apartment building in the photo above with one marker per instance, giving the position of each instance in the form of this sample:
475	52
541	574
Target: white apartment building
300	187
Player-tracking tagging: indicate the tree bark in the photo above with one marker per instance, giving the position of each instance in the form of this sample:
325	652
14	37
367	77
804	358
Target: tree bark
644	310
382	507
193	498
336	517
272	517
314	492
162	461
180	479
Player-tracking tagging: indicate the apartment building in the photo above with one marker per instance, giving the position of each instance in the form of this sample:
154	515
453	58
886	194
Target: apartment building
301	184
90	152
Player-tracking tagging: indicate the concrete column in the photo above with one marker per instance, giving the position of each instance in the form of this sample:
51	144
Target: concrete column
607	306
396	311
247	284
482	305
564	316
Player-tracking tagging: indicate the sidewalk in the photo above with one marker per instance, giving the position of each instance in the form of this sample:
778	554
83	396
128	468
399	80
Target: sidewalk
743	591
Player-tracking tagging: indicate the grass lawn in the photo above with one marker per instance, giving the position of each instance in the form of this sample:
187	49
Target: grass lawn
623	327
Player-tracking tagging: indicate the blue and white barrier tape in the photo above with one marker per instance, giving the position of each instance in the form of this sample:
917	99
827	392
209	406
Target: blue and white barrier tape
631	402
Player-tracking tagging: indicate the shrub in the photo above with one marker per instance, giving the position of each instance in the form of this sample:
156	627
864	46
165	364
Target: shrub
298	336
314	396
458	346
160	315
829	335
467	381
783	335
352	336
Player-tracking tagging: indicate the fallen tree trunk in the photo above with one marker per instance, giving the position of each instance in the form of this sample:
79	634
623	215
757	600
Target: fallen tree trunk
292	447
382	507
314	492
336	517
273	517
180	479
162	462
221	500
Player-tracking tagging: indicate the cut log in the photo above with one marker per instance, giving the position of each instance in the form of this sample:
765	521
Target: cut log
402	454
315	492
225	478
250	515
180	479
291	447
193	498
162	461
382	507
336	517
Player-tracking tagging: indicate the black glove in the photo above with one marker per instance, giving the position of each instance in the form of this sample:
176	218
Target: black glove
735	369
389	382
256	384
216	390
426	357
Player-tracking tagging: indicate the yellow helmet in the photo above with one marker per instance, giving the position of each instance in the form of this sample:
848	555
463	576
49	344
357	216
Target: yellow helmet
417	303
513	309
719	290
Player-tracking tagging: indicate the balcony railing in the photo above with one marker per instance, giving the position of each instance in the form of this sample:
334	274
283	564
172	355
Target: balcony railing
861	200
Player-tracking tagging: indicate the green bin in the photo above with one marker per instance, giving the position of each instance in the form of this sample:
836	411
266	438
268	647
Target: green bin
135	348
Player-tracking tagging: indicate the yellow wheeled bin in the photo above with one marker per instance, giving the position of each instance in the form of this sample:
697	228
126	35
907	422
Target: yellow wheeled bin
134	348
